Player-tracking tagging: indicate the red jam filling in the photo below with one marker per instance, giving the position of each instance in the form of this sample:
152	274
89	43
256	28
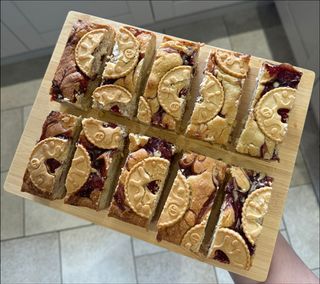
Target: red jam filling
158	145
119	197
156	118
183	93
264	149
221	256
283	75
236	199
115	109
94	182
52	165
153	186
284	113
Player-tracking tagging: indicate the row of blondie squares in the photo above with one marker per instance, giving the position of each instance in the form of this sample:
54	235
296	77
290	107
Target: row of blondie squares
122	72
82	161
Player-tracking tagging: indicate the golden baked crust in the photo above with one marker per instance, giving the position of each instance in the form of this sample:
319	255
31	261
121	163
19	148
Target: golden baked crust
267	123
233	246
168	86
123	63
70	84
141	180
107	94
197	181
95	164
215	111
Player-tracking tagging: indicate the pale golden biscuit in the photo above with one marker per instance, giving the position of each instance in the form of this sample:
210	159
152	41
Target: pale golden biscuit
102	137
266	112
107	94
49	148
127	57
79	171
253	212
140	199
233	246
177	202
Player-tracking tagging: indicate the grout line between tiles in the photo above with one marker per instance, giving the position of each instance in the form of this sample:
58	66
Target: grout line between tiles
285	227
154	253
16	107
134	260
60	258
45	233
24	217
216	275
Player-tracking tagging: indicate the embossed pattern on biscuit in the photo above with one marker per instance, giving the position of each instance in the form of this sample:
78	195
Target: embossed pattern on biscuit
84	52
169	88
232	63
109	94
49	148
101	136
212	98
140	199
125	55
233	248
253	212
193	238
144	113
267	111
177	202
79	171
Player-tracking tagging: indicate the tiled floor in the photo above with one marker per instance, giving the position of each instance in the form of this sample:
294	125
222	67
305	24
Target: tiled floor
41	245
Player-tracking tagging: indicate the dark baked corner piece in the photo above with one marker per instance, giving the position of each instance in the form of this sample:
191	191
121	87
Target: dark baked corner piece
268	120
185	215
247	196
51	157
141	180
81	64
125	74
95	164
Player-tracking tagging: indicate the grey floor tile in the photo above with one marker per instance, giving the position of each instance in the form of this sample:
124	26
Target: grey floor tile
11	214
40	219
31	260
316	272
252	42
190	31
11	129
302	222
223	276
24	71
26	112
96	255
300	174
20	94
168	267
143	248
246	20
222	42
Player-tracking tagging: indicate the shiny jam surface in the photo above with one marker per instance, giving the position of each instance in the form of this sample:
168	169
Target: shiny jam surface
221	256
158	145
119	197
153	186
52	165
283	75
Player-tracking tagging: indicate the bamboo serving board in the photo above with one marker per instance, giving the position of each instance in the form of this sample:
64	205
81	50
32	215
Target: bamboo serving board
281	172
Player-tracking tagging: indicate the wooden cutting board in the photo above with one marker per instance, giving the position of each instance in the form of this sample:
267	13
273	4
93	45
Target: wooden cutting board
281	172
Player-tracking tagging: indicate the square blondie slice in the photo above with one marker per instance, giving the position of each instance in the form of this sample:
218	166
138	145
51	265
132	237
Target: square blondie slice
142	179
81	64
168	86
125	74
94	166
246	201
186	212
51	157
216	107
267	123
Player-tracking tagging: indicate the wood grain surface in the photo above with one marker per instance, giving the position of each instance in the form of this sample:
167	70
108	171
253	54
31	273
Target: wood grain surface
280	171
